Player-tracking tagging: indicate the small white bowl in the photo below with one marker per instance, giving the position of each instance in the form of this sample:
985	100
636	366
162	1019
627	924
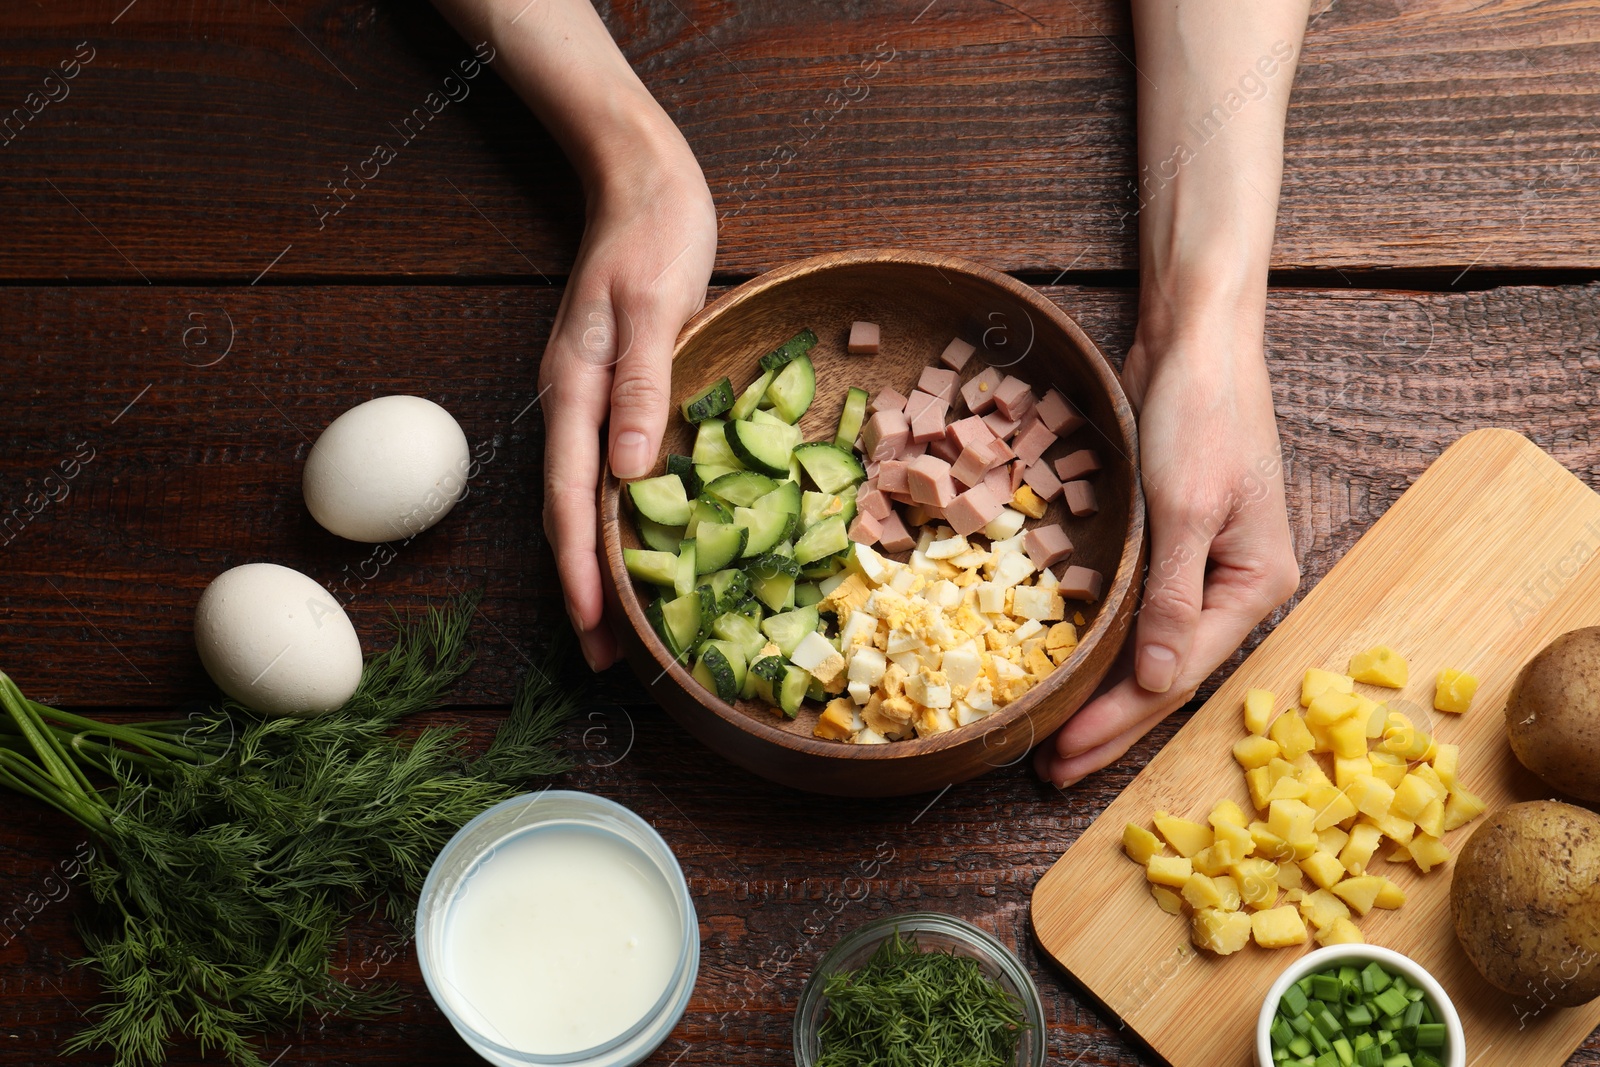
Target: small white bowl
1361	955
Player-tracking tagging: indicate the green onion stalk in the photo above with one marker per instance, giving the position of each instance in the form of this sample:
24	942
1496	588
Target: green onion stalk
235	850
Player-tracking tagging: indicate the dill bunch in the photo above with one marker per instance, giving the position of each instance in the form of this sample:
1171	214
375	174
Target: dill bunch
235	849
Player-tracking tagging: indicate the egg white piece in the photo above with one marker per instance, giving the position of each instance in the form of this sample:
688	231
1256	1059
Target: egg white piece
386	470
276	641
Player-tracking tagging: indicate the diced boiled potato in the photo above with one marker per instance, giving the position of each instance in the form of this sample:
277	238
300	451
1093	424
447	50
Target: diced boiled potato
1255	751
1405	740
1229	812
1278	927
1169	870
1453	691
1287	788
1426	772
1395	828
1342	932
1346	771
1322	909
1221	932
1376	716
1183	835
1411	796
1292	820
1372	796
1140	844
1201	892
1170	902
1288	876
1321	740
1228	888
1431	819
1323	868
1429	852
1348	738
1389	896
1317	681
1279	769
1258	711
1357	852
1461	808
1331	804
1331	706
1235	840
1210	861
1360	892
1260	783
1309	771
1332	840
1258	882
1290	732
1387	766
1446	761
1379	666
1269	844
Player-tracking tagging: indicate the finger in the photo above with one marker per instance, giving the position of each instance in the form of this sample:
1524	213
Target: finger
641	386
574	392
1065	773
1173	596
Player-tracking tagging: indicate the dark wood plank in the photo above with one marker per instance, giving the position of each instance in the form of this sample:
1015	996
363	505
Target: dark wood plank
196	468
200	141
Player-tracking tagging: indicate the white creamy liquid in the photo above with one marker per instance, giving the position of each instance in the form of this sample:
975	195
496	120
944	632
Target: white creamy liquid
560	939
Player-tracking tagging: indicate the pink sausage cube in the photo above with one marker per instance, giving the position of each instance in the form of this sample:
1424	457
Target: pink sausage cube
892	476
940	446
1047	545
885	434
893	536
927	423
865	529
863	339
1080	499
972	510
1077	464
1081	583
929	480
1042	480
940	382
1018	471
1031	442
1013	398
900	498
873	502
973	463
1058	414
964	433
1001	426
887	400
956	354
911	449
978	392
998	479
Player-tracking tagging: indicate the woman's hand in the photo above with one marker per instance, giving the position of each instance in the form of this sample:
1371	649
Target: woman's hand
1220	552
640	273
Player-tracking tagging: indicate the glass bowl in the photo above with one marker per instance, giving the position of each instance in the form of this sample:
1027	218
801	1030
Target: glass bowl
933	931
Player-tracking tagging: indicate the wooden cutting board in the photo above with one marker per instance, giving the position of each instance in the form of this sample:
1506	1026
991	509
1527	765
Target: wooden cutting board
1493	552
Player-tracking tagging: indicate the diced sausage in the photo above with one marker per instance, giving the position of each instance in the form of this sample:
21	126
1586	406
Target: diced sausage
1032	441
1001	426
873	502
893	536
1077	464
926	413
1080	498
940	446
978	392
1013	398
1042	480
1047	545
956	354
863	339
1058	414
928	478
940	382
964	433
885	435
892	476
1081	583
887	400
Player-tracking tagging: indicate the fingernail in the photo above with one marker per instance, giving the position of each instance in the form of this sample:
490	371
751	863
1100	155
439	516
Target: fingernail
630	456
1156	667
1067	783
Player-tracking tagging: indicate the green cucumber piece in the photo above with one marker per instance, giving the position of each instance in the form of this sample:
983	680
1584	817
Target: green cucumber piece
678	621
826	567
788	628
683	579
659	537
766	528
815	691
775	591
711	446
706	508
792	390
741	630
719	666
710	472
762	676
792	690
772	563
814	507
713	400
741	488
806	594
798	345
657	568
750	399
683	467
824	539
752	609
847	496
729	589
718	544
762	447
829	466
661	499
785	498
766	418
851	418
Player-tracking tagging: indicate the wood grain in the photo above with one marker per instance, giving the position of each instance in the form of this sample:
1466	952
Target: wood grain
200	141
1494	531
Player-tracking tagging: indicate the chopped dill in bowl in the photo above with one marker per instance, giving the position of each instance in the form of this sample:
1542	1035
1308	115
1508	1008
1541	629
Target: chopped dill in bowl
930	1009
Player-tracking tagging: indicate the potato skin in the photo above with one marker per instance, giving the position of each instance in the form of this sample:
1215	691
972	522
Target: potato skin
1526	901
1553	715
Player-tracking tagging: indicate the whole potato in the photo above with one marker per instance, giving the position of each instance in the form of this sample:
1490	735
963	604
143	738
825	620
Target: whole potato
1553	716
1526	901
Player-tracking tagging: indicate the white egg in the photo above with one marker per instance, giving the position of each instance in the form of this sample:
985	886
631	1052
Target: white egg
276	641
386	470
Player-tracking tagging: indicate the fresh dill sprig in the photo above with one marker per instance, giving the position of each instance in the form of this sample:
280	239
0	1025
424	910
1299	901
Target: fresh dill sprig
237	849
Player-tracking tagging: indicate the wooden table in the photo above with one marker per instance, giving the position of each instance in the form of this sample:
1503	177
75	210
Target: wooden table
184	306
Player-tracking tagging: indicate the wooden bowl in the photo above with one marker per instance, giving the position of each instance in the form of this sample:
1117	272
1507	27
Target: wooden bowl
921	300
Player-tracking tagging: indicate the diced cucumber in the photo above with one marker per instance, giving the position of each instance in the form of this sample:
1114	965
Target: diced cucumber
798	345
814	507
789	628
678	621
766	418
683	467
847	497
717	545
748	400
792	690
683	581
710	472
814	689
824	539
775	591
711	446
829	466
657	568
851	418
661	499
714	399
659	537
720	668
792	390
761	446
742	488
784	498
772	563
706	508
729	588
741	630
826	567
806	594
766	528
765	673
752	610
